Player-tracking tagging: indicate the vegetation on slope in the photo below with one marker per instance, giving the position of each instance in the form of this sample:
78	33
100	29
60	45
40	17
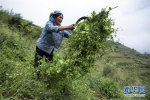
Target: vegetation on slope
76	73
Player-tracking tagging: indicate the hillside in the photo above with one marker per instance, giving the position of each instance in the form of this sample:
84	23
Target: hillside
131	60
64	79
125	56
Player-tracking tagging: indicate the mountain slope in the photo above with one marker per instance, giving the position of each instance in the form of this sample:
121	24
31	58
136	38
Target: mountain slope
125	56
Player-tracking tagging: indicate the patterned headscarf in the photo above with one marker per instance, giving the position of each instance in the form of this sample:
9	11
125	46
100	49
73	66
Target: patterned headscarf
54	14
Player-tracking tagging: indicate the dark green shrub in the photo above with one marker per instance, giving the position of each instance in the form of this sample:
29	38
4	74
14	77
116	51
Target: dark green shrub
106	87
109	70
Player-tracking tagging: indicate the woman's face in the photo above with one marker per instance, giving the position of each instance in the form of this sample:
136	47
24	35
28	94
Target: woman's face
58	19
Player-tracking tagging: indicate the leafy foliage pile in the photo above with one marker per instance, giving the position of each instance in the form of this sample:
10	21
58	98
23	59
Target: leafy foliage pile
88	40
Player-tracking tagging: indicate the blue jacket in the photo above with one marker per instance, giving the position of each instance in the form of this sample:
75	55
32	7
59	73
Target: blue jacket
51	38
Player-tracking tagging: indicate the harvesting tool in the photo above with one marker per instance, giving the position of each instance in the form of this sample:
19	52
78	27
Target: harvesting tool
81	18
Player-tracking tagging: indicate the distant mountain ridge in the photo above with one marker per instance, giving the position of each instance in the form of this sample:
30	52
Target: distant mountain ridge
125	56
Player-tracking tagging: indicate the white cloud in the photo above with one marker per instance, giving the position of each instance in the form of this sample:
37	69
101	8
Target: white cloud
136	29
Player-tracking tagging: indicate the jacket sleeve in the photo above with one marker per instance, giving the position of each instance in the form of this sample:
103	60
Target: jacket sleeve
66	34
50	27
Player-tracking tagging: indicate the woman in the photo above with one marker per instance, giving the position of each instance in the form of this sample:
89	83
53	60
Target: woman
51	37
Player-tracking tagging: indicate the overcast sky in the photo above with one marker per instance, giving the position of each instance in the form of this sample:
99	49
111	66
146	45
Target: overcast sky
132	17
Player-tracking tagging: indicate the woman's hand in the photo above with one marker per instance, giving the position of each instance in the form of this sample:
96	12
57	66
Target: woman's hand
71	26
